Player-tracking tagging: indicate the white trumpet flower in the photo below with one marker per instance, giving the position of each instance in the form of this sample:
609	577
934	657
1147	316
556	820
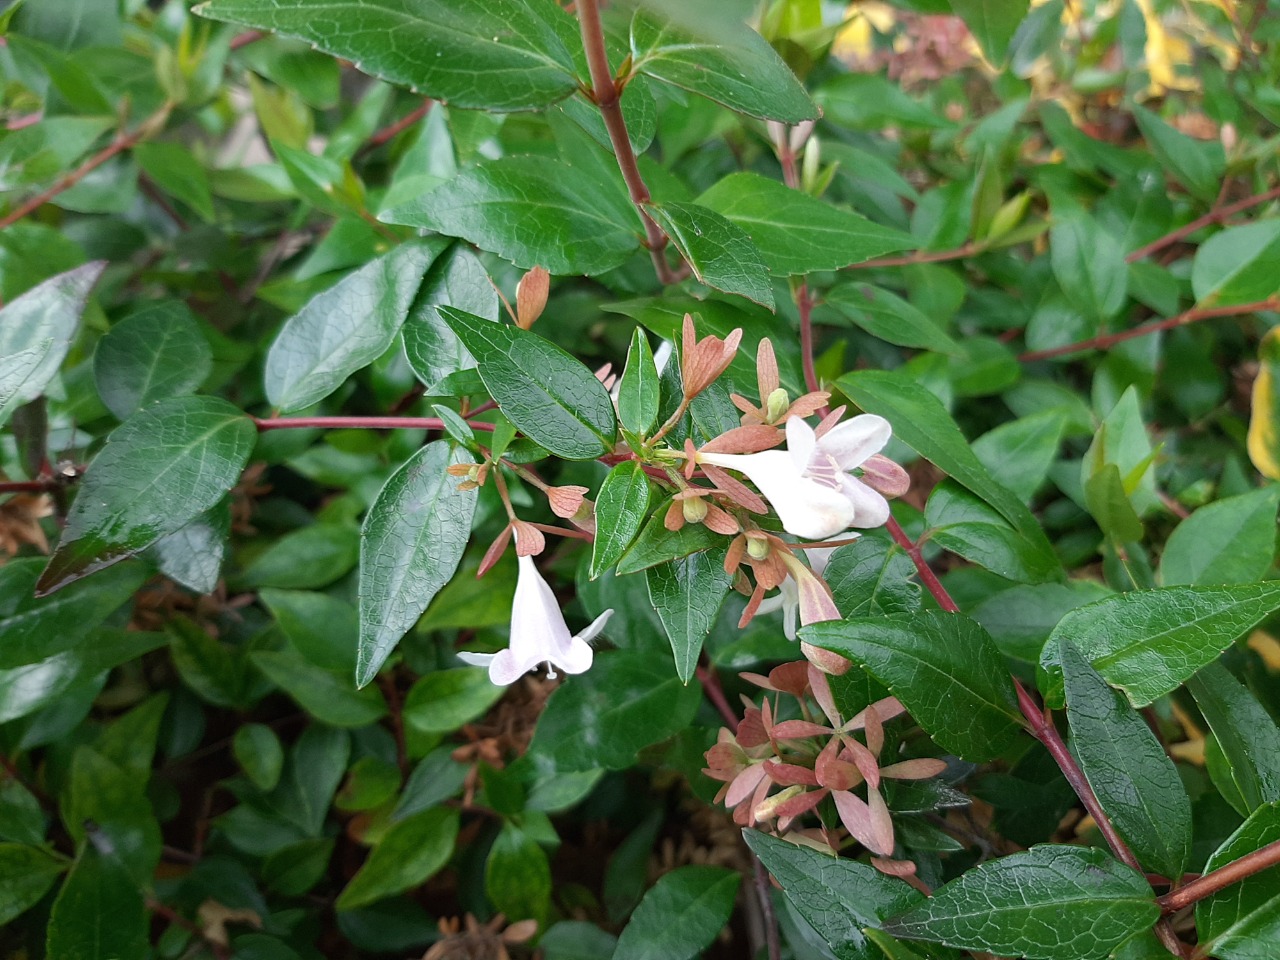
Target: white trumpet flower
809	484
539	634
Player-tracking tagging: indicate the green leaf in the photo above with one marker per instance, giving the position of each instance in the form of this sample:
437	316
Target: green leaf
1198	165
797	233
412	541
177	172
1231	541
99	912
155	353
1248	737
319	627
306	559
1122	440
407	855
36	330
992	23
295	869
1046	903
656	544
1149	642
688	593
1022	451
871	577
620	509
258	751
517	876
316	765
325	694
26	874
192	555
216	672
157	472
1021	618
944	668
839	898
35	628
455	279
627	701
720	253
1242	921
106	804
551	397
888	317
506	55
443	701
720	59
962	523
1109	505
538	211
1238	265
639	391
1134	779
346	327
921	422
21	819
680	914
1089	265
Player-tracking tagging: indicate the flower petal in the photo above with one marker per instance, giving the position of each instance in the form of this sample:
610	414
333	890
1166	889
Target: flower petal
800	442
870	509
854	440
476	659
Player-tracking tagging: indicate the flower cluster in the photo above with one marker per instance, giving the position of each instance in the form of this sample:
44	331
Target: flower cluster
779	770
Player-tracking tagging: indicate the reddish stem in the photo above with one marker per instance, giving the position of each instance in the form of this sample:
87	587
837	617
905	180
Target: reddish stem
390	131
715	693
361	423
246	38
1233	872
29	486
920	256
1103	341
927	576
1217	215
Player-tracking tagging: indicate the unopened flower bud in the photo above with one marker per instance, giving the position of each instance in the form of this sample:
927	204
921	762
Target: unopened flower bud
695	509
884	476
776	405
767	808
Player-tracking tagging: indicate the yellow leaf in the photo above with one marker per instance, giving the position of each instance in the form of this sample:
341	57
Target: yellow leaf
1264	417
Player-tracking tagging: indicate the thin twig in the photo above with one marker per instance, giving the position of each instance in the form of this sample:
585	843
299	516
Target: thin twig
926	574
771	938
1187	317
921	256
604	90
715	693
1216	215
122	142
1233	872
361	423
389	132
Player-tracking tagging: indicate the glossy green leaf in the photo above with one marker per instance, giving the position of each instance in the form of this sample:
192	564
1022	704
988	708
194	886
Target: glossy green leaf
1238	265
176	171
192	555
99	912
217	672
295	869
407	855
1021	451
517	876
155	353
680	915
639	390
944	668
1109	505
920	421
601	719
507	55
1242	921
797	233
656	544
309	558
688	594
870	577
888	317
455	279
1122	440
21	819
346	327
1046	903
443	701
411	544
36	330
539	211
1132	776
720	59
545	392
959	521
104	803
1230	541
719	252
1197	164
1148	642
839	898
317	761
325	694
1021	618
34	629
26	874
320	627
620	510
992	23
258	751
157	472
1248	737
1089	265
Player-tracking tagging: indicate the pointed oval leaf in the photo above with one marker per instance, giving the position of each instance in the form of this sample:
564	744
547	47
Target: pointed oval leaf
796	233
1127	767
890	318
36	330
872	576
345	328
551	397
456	279
1046	903
26	874
1238	265
688	593
680	915
1231	541
503	55
412	541
639	390
155	353
992	23
944	667
407	855
1249	738
620	509
157	472
325	694
656	544
1148	642
719	251
99	911
1242	922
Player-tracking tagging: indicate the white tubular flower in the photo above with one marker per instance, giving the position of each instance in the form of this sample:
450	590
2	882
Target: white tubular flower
787	599
809	485
538	634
